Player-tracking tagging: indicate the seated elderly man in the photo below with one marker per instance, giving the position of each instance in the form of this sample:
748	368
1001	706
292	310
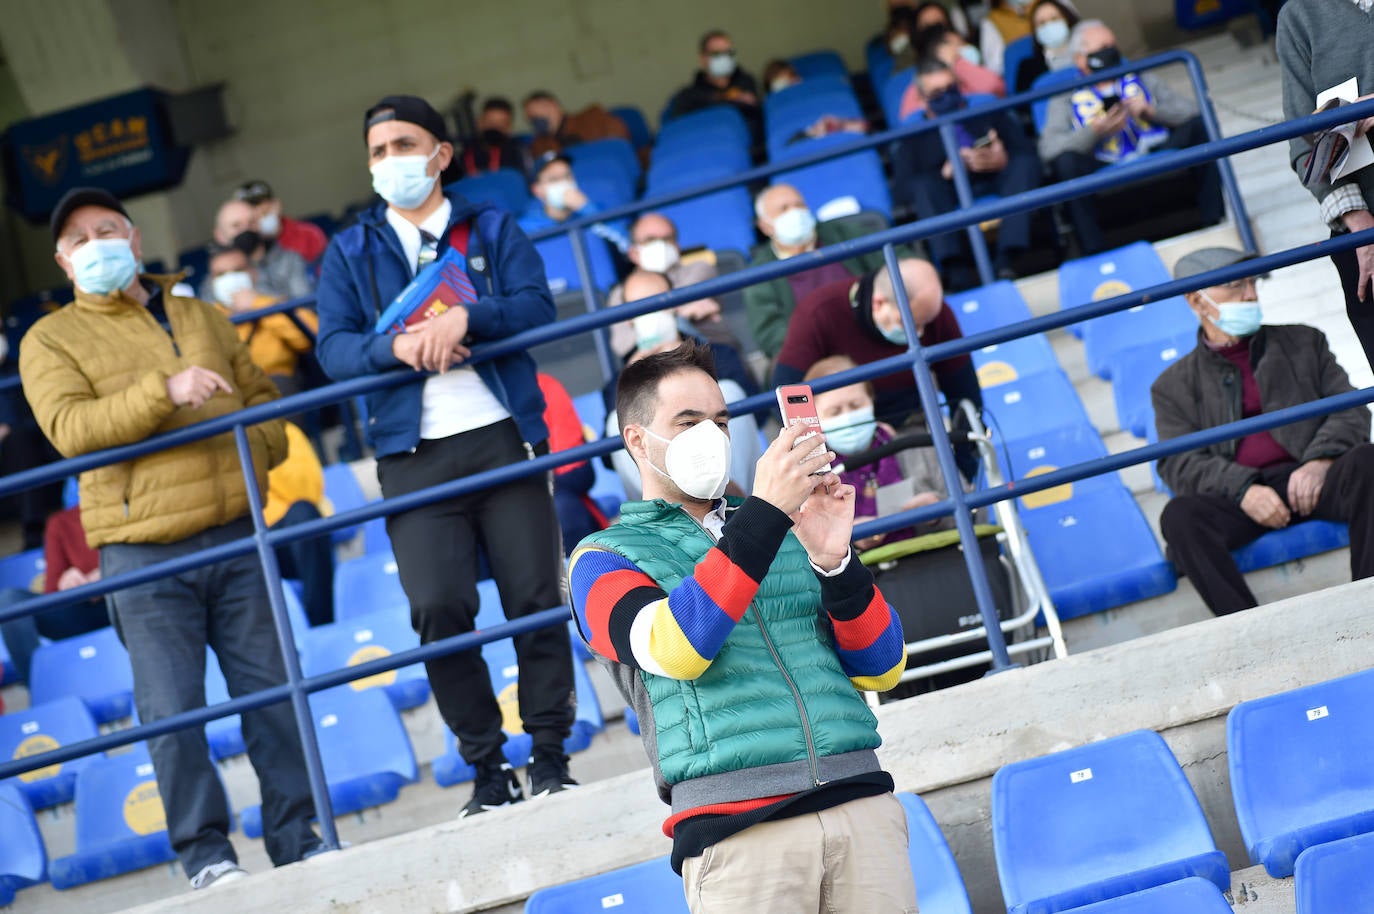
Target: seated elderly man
1114	122
1231	493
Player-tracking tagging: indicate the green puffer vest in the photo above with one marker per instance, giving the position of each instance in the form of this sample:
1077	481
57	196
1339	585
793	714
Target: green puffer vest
774	696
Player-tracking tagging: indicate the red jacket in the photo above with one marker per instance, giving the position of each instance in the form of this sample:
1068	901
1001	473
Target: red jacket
305	238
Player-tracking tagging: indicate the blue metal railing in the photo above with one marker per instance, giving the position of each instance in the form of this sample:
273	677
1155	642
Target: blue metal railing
916	359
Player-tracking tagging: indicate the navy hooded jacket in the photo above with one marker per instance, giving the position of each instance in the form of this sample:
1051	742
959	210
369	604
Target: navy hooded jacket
365	268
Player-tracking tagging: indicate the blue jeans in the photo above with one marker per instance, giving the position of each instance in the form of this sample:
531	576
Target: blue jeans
166	625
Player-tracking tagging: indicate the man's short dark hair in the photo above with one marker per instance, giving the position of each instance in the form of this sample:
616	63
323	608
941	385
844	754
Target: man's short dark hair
928	40
706	39
928	65
498	103
636	394
540	95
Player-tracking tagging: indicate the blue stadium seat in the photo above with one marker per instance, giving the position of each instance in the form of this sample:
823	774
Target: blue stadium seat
1013	55
613	150
1297	541
1135	370
23	858
724	219
120	822
345	494
21	569
368	584
820	64
1096	550
640	134
370	636
1334	878
878	60
591	409
94	667
1300	772
691	165
560	268
893	88
195	262
645	888
724	118
1035	455
224	735
1109	274
939	884
505	187
794	113
1193	895
1003	363
1033	405
8	674
832	185
1097	822
42	728
1040	109
367	755
989	307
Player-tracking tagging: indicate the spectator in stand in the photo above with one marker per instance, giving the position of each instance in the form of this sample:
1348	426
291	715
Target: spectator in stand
654	249
305	238
127	361
1003	24
858	318
999	159
282	273
947	46
1052	22
1117	121
555	130
660	606
1229	494
24	447
1321	44
578	515
494	147
295	495
276	341
461	420
784	218
556	199
720	81
780	75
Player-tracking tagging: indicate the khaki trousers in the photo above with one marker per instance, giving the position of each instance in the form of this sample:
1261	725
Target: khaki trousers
851	859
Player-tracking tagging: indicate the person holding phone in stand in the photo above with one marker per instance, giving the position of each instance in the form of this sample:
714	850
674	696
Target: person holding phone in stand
742	631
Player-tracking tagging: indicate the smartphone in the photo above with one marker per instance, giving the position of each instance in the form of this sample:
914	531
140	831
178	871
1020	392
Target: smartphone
1109	102
984	141
796	402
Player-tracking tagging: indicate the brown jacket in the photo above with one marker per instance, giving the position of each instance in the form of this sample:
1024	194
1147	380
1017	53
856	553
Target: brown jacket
591	123
95	373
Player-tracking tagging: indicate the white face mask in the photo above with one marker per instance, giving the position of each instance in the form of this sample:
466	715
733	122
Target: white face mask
227	285
795	227
658	256
104	265
899	43
556	193
269	225
697	461
721	65
404	181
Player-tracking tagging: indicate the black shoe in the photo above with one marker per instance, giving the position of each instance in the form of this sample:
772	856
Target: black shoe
548	772
496	786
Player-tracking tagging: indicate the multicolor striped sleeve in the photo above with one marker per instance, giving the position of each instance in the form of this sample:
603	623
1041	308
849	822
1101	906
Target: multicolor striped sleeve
625	616
868	632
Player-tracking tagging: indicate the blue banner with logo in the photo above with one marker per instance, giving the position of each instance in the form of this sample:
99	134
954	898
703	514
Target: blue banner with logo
122	144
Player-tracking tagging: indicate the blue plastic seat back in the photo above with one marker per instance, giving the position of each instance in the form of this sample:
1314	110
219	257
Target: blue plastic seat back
811	95
367	584
726	117
1135	371
1032	406
1162	323
705	140
1109	274
43	728
1096	822
120	823
878	59
94	667
989	307
635	122
22	569
1040	109
371	636
724	219
560	266
505	187
1054	449
645	888
1193	895
195	262
840	186
612	150
1002	363
784	122
1300	768
1016	53
687	166
23	858
1296	541
344	492
1334	878
939	884
893	88
820	64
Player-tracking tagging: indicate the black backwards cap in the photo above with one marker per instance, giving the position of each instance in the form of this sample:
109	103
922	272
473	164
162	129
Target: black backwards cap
408	108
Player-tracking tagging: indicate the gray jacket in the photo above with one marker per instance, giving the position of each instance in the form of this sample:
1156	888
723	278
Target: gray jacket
282	274
1061	135
1292	365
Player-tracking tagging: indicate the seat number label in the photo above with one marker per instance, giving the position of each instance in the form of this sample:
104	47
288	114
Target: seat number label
1318	713
1081	775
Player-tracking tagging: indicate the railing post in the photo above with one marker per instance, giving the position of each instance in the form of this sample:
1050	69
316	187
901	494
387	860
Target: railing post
300	701
964	191
944	451
1230	187
584	274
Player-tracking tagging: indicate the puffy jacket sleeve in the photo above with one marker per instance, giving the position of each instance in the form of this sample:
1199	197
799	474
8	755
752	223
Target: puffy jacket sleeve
348	346
1197	472
1339	432
254	387
523	301
68	411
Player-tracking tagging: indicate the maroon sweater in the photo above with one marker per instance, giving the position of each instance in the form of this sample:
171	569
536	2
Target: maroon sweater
1259	450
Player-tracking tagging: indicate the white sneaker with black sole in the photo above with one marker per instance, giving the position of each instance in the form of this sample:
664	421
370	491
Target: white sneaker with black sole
221	873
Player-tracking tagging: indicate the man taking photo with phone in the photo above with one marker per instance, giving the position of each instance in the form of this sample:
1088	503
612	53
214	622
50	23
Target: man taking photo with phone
742	631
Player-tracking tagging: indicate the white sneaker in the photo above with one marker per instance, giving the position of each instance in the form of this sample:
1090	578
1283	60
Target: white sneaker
221	873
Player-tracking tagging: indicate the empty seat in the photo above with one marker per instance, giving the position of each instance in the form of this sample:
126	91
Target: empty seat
1135	371
1002	363
787	118
989	307
1033	405
21	569
688	166
368	584
1193	895
366	753
42	728
120	823
370	636
839	186
723	118
560	265
645	888
723	219
939	884
94	667
892	90
1300	771
345	494
1035	455
1013	55
23	859
635	122
1097	822
1334	878
819	64
613	150
505	187
1107	275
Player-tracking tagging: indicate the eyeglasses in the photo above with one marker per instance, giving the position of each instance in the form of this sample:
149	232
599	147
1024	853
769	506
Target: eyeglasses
1240	285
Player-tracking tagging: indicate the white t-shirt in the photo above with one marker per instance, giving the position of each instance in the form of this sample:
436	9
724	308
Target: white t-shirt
457	400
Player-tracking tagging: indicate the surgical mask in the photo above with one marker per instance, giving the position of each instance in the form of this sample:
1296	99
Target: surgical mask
1020	5
896	335
851	432
556	193
658	256
541	126
898	43
227	285
1104	59
782	82
795	227
1236	318
946	102
269	224
971	54
721	65
404	181
697	461
1053	34
104	265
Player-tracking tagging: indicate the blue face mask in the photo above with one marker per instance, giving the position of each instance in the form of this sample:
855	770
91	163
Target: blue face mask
895	335
851	432
1240	318
1053	35
404	181
104	265
947	102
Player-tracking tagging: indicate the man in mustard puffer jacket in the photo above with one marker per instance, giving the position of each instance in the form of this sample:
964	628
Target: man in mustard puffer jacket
127	361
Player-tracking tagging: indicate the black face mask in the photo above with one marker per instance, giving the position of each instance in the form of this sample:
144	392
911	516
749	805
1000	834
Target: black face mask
946	102
493	137
1104	59
247	241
